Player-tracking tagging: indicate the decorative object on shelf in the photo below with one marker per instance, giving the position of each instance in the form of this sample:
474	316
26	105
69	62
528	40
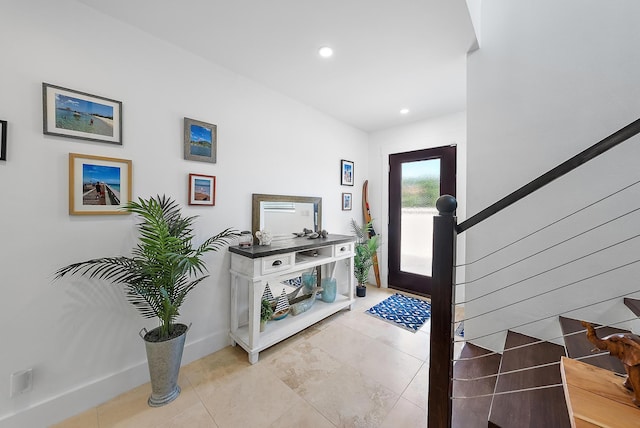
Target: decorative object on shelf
305	302
311	234
363	260
157	278
98	185
346	173
626	347
75	114
309	281
246	239
3	140
404	311
294	293
264	237
202	189
200	141
282	306
329	288
267	295
346	201
266	312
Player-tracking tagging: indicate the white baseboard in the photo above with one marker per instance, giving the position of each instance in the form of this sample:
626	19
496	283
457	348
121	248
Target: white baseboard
69	403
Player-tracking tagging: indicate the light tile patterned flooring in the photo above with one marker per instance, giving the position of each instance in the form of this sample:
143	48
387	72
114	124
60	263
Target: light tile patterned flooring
350	370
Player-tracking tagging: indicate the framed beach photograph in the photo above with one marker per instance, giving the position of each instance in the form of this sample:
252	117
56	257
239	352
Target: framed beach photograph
346	201
3	140
200	140
202	189
98	185
346	173
75	114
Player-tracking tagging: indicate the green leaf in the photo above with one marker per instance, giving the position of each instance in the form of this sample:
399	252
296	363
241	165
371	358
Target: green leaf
158	276
364	250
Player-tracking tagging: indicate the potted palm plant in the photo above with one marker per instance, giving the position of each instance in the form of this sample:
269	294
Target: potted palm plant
365	248
162	270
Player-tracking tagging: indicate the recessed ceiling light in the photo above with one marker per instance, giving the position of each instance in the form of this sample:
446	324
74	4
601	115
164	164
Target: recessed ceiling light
404	111
325	52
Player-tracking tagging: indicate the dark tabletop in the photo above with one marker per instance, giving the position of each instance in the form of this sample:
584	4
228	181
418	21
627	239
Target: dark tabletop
290	245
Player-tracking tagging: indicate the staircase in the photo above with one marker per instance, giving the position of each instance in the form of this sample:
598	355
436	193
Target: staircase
538	400
474	412
542	404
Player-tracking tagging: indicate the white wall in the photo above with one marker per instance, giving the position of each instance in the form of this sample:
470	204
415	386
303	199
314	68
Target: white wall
551	79
475	12
437	132
82	339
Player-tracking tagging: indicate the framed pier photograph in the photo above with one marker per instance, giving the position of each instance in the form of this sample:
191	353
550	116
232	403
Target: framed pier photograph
98	185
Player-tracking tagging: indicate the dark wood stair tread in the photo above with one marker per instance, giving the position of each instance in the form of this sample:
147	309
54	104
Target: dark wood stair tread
534	408
633	304
579	346
473	412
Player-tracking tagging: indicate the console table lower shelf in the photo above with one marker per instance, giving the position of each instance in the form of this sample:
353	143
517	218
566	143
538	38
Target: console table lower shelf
277	331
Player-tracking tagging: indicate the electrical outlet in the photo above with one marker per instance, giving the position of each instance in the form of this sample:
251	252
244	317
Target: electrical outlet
21	382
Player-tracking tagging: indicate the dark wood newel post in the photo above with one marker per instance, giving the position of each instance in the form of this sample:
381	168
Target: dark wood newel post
442	301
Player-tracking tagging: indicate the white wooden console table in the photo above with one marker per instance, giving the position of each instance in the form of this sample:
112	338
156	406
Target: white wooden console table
254	267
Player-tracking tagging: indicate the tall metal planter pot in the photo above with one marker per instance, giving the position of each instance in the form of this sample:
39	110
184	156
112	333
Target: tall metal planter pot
164	360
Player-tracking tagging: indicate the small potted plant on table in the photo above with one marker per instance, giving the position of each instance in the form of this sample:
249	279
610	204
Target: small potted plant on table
266	311
364	250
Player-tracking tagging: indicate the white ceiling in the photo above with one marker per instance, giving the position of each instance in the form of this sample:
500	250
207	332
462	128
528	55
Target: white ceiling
389	54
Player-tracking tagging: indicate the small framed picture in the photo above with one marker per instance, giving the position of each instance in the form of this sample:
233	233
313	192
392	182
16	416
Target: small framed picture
75	114
3	140
200	140
98	185
202	189
346	202
346	173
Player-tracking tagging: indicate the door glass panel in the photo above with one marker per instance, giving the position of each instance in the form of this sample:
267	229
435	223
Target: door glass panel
420	191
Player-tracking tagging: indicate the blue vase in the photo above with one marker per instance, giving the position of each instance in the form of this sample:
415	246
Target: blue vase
309	281
329	289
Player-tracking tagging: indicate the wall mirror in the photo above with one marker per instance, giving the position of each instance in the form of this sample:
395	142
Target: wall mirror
284	215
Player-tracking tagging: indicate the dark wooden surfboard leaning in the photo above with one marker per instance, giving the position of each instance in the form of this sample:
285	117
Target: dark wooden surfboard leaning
372	232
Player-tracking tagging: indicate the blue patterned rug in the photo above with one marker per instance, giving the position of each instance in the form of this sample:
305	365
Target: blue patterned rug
460	329
404	311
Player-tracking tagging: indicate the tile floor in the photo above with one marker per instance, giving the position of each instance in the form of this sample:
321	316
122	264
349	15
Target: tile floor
350	370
